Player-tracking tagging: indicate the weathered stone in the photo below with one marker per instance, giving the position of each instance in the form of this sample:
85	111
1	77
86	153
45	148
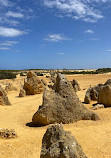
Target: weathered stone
98	106
87	98
92	93
3	97
58	143
75	85
5	133
32	85
22	93
44	83
1	101
105	96
108	82
61	105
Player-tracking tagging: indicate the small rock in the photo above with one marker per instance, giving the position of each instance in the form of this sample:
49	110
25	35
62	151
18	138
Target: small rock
22	93
5	133
98	106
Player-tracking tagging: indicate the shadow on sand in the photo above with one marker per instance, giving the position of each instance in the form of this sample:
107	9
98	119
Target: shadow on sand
31	124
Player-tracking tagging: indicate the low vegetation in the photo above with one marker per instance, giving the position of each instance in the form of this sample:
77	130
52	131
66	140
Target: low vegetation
7	75
98	71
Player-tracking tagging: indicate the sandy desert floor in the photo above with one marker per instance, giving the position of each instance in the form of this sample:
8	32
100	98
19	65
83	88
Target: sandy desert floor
94	136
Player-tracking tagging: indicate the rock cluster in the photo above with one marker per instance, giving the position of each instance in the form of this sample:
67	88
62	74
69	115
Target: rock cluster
100	93
92	93
3	97
32	85
61	105
58	143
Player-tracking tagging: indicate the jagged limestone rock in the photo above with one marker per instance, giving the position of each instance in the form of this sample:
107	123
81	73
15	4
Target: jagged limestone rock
58	143
32	85
3	97
61	105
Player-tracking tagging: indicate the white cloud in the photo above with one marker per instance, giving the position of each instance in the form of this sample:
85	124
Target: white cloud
109	50
14	14
89	31
85	10
9	43
4	20
4	48
10	32
56	37
11	13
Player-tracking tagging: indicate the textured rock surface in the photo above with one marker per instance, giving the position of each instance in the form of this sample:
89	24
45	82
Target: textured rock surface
44	83
57	143
108	82
92	93
5	133
32	85
22	93
105	96
3	97
98	106
75	85
61	105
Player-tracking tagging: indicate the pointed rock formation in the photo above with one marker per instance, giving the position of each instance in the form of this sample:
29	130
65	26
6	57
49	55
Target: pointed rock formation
75	85
61	105
22	93
3	97
32	85
58	143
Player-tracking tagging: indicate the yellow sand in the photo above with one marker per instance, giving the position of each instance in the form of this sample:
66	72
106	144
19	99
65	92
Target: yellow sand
94	136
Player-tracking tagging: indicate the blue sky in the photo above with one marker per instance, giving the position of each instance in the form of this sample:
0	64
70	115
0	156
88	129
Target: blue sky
74	34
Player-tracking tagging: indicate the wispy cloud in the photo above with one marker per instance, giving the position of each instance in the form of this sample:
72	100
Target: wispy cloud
108	50
4	48
9	43
14	14
89	31
11	13
10	32
60	53
85	10
56	37
5	3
